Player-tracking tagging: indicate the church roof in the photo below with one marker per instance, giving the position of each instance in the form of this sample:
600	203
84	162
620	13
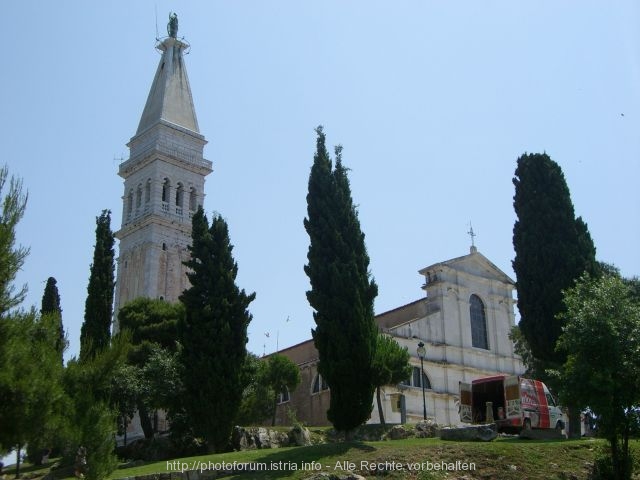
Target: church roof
475	263
170	95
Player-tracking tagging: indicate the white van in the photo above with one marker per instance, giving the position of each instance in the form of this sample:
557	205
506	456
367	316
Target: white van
515	403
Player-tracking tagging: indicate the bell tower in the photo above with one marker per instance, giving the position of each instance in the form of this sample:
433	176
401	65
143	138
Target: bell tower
163	184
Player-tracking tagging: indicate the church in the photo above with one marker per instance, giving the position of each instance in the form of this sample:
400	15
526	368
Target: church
461	325
457	332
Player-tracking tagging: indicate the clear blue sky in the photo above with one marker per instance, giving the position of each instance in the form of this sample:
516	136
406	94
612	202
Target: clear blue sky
432	101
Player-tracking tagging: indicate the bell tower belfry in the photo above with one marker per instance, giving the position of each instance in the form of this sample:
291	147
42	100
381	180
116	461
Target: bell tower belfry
163	184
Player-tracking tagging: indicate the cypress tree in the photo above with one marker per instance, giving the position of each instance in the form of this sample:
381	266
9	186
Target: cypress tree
213	333
51	307
553	249
96	329
342	291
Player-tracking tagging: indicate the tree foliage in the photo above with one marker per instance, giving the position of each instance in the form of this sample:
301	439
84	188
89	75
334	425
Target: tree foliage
553	248
257	397
96	329
282	375
342	291
152	325
14	203
30	382
602	370
51	307
213	332
391	366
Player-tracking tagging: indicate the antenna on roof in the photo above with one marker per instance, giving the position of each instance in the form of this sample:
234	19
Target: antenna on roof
157	36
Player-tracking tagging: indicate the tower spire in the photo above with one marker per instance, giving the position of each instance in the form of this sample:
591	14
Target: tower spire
170	97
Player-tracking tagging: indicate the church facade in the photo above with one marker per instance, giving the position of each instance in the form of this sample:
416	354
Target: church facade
463	323
163	185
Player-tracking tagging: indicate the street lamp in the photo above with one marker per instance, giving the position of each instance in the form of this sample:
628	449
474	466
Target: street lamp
421	354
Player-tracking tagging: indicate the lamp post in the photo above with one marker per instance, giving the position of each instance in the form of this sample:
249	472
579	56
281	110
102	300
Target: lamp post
421	353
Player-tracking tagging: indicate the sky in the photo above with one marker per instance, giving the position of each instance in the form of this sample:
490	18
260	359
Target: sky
433	103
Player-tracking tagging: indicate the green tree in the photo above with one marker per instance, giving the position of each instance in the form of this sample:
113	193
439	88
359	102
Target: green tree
96	329
256	404
342	291
602	370
30	385
126	387
152	324
213	332
391	366
553	249
92	419
51	306
281	375
14	203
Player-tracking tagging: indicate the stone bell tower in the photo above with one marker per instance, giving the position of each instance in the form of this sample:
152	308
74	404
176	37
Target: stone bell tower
163	184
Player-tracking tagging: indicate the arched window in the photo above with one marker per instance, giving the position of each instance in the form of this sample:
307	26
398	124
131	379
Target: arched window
319	384
139	196
193	198
165	190
179	195
147	192
414	380
478	323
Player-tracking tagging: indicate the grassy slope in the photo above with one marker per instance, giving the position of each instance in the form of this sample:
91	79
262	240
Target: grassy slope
504	459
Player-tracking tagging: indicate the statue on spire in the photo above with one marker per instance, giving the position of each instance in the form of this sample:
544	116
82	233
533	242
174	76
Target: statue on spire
172	26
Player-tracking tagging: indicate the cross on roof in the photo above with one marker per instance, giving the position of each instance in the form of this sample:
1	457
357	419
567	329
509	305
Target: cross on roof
472	235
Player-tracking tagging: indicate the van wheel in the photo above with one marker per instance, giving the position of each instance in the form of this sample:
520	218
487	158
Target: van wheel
527	424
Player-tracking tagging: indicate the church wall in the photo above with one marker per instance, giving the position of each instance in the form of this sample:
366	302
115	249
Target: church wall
443	322
307	407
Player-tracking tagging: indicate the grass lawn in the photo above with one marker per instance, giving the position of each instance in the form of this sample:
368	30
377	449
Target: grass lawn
504	459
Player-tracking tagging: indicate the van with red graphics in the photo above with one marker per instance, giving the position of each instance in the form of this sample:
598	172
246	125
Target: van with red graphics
514	403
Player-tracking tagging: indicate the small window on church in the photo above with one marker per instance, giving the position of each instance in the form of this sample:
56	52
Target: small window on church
130	203
179	195
139	196
478	323
165	190
147	192
192	199
319	384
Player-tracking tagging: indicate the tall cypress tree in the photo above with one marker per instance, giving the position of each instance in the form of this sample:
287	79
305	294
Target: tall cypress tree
96	329
51	307
553	248
342	291
213	332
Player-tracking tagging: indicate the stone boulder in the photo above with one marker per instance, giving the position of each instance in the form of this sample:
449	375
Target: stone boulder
426	429
257	437
484	433
299	436
397	432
